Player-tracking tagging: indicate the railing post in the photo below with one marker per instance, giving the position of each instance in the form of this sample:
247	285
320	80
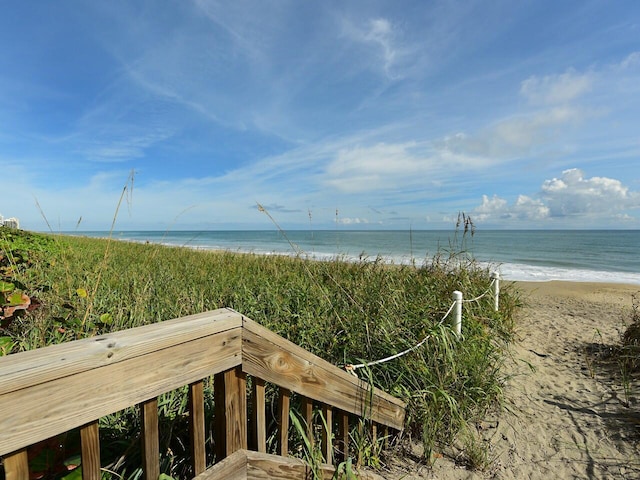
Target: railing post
496	290
259	418
327	434
307	415
196	427
283	421
90	448
343	435
150	439
230	400
457	319
16	465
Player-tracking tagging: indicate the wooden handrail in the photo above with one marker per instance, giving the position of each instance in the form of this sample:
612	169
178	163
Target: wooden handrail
49	391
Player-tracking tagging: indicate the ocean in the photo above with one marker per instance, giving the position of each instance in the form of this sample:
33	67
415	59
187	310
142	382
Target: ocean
529	255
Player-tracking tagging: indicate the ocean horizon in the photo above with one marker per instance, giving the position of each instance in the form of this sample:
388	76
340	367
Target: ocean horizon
525	255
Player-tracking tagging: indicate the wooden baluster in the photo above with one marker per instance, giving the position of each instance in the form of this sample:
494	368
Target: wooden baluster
283	421
16	465
150	439
343	434
196	427
230	394
361	424
90	448
220	429
385	435
374	435
327	434
307	415
259	418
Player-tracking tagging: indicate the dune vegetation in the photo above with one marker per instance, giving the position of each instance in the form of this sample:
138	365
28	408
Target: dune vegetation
61	288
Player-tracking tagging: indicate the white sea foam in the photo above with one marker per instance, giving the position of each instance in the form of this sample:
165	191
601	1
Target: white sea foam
529	273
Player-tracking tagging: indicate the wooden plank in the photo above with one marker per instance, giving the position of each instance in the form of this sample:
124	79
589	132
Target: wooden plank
236	409
219	419
283	421
42	411
264	466
307	415
245	464
234	467
196	427
259	417
16	465
150	439
230	395
277	360
260	466
25	369
327	434
343	435
90	451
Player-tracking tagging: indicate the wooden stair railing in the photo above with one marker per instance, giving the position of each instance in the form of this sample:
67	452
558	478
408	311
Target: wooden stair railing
52	390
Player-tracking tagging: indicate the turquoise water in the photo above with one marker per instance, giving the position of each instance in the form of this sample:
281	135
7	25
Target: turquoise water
533	255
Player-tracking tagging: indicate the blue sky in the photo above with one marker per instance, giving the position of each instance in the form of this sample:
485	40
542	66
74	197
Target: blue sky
371	114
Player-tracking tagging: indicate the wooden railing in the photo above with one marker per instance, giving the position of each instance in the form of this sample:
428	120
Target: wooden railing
52	390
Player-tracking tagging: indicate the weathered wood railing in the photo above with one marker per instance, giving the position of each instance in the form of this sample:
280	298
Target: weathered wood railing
52	390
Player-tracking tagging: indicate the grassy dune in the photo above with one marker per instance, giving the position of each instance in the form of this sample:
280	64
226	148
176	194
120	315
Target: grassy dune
343	312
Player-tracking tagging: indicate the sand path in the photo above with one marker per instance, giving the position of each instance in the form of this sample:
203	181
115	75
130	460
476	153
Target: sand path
565	415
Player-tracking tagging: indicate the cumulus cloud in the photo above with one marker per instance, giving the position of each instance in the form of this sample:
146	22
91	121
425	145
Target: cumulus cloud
556	89
572	196
524	208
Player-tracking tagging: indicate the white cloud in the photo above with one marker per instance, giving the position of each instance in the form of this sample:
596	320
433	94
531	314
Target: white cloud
353	221
524	208
572	196
380	34
632	60
557	89
382	166
513	137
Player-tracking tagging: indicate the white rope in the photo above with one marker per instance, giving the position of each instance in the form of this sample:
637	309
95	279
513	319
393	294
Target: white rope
352	368
480	296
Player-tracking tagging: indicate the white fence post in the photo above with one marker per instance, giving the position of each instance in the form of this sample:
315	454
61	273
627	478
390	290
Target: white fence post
496	290
457	319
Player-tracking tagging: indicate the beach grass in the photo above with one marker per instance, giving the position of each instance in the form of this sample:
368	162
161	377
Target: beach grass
345	312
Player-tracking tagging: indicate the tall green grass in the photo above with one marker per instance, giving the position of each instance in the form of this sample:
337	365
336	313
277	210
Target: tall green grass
344	312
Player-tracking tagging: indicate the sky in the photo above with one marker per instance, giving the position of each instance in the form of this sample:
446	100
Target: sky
190	114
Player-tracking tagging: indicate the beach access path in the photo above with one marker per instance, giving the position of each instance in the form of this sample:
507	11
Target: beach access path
566	413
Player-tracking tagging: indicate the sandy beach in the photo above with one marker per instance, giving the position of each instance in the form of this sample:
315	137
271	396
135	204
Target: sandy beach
566	413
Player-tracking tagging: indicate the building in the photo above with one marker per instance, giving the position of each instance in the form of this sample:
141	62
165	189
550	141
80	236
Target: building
10	222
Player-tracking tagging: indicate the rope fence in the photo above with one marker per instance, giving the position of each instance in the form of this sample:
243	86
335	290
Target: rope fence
456	306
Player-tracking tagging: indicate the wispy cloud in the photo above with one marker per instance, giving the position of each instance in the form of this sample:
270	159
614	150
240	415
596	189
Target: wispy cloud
381	36
556	89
